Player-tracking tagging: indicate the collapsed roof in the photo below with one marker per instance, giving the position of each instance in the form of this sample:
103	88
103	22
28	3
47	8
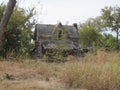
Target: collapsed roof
46	30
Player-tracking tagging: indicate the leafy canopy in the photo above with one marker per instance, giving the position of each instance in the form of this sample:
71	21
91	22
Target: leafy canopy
19	31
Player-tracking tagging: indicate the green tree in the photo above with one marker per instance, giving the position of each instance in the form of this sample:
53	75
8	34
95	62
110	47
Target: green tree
5	19
19	32
111	20
89	36
2	8
96	23
108	42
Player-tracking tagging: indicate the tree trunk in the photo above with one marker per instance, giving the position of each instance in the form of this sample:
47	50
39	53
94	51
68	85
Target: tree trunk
117	39
5	19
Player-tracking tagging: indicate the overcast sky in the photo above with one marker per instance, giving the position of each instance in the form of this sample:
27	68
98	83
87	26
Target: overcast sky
66	11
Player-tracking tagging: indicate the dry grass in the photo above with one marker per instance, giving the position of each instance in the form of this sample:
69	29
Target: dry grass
99	71
29	75
95	72
91	77
26	70
30	85
101	57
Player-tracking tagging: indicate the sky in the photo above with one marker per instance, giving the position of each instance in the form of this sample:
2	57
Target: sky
66	11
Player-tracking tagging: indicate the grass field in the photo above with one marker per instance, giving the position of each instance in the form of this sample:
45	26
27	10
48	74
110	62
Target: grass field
98	71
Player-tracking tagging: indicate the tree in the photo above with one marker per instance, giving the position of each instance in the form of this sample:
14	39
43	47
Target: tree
111	20
96	23
108	42
5	19
89	36
90	32
19	31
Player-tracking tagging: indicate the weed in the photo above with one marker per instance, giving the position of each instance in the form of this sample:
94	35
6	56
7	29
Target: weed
8	76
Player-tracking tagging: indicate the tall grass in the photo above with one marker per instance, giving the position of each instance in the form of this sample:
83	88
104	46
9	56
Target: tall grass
95	71
100	71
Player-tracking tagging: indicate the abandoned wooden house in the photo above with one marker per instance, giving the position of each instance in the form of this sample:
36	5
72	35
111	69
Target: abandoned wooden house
59	32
